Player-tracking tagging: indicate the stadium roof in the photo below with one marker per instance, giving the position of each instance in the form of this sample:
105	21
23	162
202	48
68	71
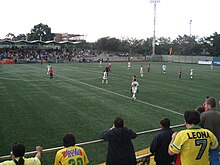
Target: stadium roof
38	41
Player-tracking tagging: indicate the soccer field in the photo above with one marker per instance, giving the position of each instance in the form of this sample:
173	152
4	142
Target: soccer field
39	111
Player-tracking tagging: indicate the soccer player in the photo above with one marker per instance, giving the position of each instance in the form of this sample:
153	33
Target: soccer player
142	71
180	73
105	77
194	143
133	77
164	67
51	73
109	67
100	62
48	68
148	67
106	69
70	154
134	88
129	65
191	73
212	64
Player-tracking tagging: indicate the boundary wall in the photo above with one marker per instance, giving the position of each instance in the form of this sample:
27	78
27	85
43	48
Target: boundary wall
158	58
154	58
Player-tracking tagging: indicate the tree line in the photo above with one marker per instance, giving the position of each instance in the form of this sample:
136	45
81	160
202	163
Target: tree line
182	45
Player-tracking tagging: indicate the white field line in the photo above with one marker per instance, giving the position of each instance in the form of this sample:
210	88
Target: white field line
149	104
156	106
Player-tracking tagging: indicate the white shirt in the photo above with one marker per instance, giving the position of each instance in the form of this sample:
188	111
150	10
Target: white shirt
142	70
105	76
164	67
134	86
191	72
129	64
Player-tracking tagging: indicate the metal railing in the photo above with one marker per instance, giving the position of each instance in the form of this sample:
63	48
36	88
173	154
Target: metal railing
90	142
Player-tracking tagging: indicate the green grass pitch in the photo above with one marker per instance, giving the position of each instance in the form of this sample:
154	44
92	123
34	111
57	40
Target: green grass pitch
39	111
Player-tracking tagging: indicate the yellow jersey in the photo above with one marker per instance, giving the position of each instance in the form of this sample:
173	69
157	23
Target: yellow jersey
193	145
27	161
72	155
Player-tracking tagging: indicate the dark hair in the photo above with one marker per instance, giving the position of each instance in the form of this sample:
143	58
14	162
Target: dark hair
69	140
192	117
207	97
211	101
119	122
165	122
18	150
200	109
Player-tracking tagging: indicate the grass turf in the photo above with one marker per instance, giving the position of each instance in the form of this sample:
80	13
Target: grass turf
39	111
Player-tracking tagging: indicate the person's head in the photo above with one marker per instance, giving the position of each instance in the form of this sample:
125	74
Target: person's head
165	122
206	98
18	149
119	122
200	109
69	140
192	117
211	103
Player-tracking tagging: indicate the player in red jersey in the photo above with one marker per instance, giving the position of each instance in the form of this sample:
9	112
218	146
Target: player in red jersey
148	67
51	73
180	73
109	67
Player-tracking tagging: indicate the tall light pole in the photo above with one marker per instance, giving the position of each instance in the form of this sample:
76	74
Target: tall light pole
190	26
154	38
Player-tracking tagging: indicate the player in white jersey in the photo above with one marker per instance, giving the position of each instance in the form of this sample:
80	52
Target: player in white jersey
129	65
48	68
142	71
164	67
100	62
191	73
105	77
134	88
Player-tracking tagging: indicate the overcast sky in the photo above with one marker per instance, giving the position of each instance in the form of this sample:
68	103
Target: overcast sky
114	18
